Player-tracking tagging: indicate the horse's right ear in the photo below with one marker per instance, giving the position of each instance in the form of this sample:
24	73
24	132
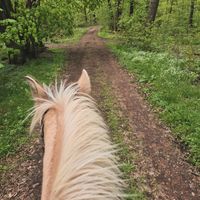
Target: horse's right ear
84	82
36	88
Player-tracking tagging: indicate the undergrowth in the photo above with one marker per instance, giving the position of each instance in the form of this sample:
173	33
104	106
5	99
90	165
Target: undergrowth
78	32
171	84
119	128
106	34
172	87
15	96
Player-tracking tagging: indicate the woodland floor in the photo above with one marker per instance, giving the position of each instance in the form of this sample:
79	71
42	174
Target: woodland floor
160	161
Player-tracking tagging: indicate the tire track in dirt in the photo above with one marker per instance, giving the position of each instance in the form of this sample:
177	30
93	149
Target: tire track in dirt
167	175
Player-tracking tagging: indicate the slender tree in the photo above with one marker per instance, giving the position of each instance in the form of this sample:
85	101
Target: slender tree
6	7
118	8
112	18
31	48
85	14
171	6
192	7
31	3
87	7
118	11
131	7
153	6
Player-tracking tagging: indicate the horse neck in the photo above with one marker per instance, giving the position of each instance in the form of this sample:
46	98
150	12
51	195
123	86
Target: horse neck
52	137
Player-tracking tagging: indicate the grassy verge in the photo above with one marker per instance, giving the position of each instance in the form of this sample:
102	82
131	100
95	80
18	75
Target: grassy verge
173	88
78	32
119	130
107	35
15	98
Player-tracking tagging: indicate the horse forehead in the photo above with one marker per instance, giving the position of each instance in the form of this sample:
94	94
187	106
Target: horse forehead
50	121
50	115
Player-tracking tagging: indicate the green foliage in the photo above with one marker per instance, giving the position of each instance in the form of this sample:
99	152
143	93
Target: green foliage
172	88
91	5
75	37
85	12
103	16
56	17
107	35
169	32
30	27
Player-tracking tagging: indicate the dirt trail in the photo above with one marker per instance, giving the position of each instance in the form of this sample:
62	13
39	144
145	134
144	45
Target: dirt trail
160	161
23	180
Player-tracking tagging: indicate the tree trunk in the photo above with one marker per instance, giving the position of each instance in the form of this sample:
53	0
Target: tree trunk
31	47
31	3
6	6
85	14
112	19
119	9
118	12
171	6
191	13
153	6
131	7
94	18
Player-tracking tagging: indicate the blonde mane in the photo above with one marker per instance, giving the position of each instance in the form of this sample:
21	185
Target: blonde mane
87	168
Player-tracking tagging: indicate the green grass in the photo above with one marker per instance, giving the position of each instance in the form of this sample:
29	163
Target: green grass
172	88
15	98
118	127
78	33
105	34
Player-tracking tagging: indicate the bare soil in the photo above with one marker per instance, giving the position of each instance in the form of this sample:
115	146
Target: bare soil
22	181
160	163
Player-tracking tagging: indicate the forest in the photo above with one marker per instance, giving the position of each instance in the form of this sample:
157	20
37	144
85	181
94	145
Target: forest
171	25
156	42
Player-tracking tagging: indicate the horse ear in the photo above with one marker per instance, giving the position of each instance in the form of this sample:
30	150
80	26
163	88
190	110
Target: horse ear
36	89
84	82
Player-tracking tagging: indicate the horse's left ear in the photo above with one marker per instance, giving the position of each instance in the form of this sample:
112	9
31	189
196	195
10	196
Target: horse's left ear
84	82
37	89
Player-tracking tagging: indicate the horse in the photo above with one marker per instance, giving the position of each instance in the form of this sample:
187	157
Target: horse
79	161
